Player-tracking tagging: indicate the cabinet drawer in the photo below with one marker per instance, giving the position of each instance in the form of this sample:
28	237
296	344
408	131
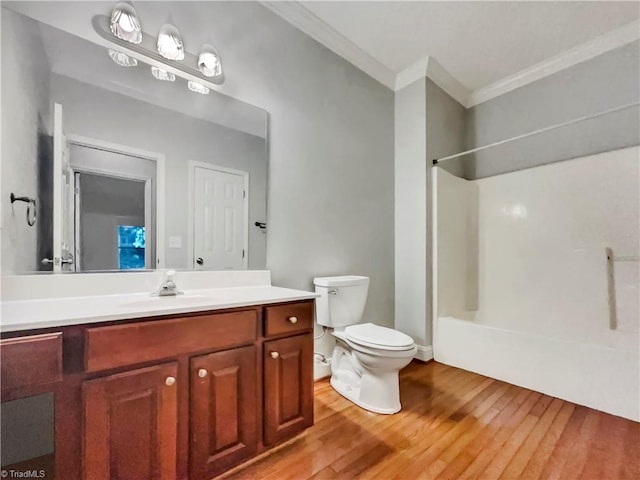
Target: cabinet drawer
290	318
32	360
119	345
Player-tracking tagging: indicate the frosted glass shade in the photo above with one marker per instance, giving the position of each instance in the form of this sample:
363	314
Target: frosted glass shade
170	44
197	87
209	61
122	59
161	74
125	24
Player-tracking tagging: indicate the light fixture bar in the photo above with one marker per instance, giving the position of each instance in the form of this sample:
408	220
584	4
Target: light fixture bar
145	52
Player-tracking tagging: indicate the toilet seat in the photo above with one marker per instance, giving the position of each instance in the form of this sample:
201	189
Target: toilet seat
377	337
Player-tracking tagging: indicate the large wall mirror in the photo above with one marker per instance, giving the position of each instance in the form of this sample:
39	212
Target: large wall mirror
112	169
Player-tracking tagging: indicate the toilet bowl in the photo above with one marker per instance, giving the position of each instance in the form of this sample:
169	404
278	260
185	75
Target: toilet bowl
367	357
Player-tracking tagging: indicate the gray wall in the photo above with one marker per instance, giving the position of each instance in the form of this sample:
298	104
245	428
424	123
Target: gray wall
100	114
331	160
25	113
605	82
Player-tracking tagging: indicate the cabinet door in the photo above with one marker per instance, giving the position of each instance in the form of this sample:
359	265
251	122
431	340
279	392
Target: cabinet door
223	410
288	387
130	425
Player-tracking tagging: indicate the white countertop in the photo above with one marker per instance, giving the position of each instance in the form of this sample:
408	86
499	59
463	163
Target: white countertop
57	312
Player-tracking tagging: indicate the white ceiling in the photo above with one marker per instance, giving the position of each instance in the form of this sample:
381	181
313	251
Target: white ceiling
477	42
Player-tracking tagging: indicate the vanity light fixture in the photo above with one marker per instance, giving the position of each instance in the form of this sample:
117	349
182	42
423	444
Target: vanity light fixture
122	59
209	61
125	24
161	74
170	44
197	87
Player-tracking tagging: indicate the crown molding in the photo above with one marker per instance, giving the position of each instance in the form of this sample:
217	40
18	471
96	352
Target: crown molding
430	68
303	19
413	72
591	49
447	82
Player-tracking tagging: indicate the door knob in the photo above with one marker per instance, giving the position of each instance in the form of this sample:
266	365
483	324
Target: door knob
170	381
275	354
199	261
202	373
293	319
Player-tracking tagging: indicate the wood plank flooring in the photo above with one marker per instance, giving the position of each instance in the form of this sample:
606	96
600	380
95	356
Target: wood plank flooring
455	424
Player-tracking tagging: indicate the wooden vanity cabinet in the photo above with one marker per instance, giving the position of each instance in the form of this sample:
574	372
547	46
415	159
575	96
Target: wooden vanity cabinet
171	398
288	400
223	410
130	424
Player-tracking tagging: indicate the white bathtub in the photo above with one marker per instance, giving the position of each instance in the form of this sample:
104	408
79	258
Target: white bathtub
599	377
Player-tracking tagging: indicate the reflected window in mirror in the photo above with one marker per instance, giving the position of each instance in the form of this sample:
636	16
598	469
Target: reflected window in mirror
131	247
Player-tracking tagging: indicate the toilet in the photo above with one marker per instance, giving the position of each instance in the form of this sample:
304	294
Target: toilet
367	357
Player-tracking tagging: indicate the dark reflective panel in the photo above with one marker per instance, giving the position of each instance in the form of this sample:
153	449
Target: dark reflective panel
27	437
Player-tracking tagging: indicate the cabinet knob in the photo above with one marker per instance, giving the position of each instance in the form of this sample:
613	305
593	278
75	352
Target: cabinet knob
275	354
293	319
170	381
202	373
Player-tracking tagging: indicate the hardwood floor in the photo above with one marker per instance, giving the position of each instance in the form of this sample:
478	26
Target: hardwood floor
455	424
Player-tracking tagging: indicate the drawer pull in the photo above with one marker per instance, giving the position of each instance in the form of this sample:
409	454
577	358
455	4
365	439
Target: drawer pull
170	381
293	319
202	373
275	354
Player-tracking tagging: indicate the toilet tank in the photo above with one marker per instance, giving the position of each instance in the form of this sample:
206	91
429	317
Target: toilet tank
342	300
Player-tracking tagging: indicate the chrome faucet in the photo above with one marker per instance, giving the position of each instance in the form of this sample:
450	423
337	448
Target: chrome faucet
169	287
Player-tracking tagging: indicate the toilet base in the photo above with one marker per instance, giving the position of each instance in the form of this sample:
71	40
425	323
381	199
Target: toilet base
352	394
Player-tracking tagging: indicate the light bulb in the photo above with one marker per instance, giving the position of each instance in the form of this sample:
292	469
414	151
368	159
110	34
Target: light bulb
161	74
170	43
122	59
125	24
197	87
209	61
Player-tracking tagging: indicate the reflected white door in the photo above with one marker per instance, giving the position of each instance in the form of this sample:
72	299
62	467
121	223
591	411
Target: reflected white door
220	219
63	198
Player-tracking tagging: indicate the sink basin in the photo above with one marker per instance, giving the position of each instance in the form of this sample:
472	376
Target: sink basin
169	301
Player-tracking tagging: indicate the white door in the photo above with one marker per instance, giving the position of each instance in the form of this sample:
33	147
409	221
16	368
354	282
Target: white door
220	219
63	197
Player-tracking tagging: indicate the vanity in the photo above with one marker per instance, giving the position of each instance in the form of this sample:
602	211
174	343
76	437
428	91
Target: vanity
120	162
158	394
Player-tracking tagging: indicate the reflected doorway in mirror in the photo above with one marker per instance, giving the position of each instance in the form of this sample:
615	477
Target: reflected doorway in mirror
219	217
115	185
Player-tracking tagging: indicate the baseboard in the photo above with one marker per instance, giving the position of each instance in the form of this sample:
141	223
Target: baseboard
424	353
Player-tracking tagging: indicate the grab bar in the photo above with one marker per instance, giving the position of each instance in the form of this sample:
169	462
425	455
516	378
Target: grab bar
611	287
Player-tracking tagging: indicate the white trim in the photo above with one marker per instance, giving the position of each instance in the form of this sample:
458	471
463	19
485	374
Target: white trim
413	72
591	49
304	20
447	82
434	256
160	160
58	207
430	68
424	353
193	164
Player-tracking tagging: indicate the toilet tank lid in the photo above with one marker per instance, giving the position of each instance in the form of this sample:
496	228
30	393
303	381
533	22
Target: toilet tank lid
343	281
377	335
